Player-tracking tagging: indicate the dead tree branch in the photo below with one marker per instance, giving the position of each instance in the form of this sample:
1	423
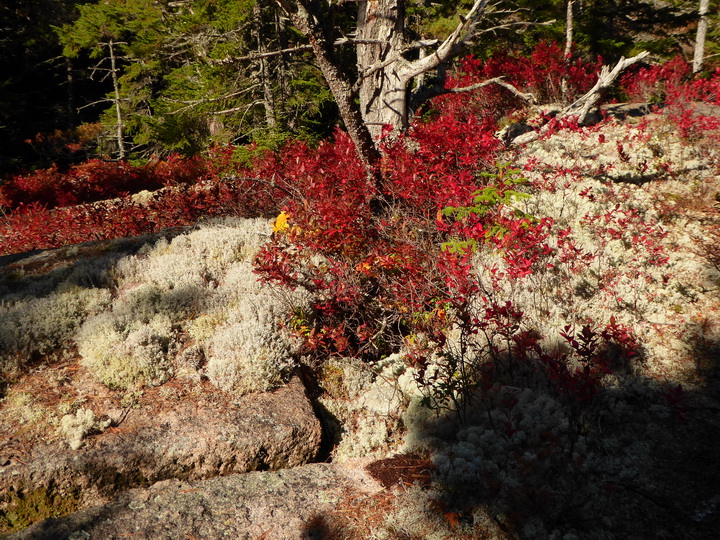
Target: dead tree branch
525	96
582	107
290	50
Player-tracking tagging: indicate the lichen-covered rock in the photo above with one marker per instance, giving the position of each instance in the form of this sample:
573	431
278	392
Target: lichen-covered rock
282	505
207	436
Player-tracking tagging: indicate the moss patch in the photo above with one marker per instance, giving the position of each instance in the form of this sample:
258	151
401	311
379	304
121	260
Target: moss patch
20	508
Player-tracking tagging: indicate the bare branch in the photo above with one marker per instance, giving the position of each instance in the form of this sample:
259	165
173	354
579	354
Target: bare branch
195	103
106	100
582	107
448	48
371	70
500	82
257	56
246	108
507	26
290	50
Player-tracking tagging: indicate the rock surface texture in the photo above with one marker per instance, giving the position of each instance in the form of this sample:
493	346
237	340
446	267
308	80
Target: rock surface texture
208	436
285	505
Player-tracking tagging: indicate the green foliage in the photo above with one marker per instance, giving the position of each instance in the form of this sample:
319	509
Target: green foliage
188	77
435	19
611	28
135	21
486	200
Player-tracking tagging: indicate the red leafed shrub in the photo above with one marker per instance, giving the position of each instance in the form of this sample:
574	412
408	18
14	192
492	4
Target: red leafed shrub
47	187
35	227
402	274
91	181
546	73
97	180
175	169
331	211
684	100
66	146
656	84
373	271
435	165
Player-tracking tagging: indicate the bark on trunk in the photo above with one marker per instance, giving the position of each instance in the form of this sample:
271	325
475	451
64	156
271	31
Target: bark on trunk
699	55
71	111
568	28
382	91
263	69
342	89
385	75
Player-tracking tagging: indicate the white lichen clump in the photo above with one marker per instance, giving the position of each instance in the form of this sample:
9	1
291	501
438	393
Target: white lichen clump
196	295
128	346
250	353
39	326
75	427
626	267
369	405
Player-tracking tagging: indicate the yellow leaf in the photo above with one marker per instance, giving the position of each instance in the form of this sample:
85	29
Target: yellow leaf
281	222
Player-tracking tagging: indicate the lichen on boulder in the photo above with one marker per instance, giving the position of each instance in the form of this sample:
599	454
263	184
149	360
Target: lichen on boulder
75	427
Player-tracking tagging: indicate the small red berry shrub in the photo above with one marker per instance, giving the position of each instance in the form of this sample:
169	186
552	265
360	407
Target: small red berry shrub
66	146
97	180
686	101
545	73
656	84
375	274
368	272
91	181
195	188
406	278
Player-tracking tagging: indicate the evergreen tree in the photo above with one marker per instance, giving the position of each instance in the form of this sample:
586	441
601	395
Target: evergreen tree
122	35
186	74
36	93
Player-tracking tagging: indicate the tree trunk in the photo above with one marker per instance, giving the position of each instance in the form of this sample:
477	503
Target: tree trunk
384	74
568	28
116	87
568	45
308	22
263	68
280	69
382	90
71	111
701	34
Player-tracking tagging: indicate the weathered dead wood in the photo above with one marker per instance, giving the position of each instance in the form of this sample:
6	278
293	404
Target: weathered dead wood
583	106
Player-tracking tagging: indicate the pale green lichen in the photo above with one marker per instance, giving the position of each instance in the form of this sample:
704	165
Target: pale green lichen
22	408
206	325
201	286
35	327
246	357
127	353
75	427
366	404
